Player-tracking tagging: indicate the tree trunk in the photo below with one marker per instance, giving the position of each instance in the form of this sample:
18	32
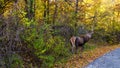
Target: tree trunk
29	9
76	12
55	12
46	11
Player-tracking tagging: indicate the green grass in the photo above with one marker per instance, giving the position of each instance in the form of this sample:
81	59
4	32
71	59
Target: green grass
89	47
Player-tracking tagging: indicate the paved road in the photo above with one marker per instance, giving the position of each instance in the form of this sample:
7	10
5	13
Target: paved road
109	60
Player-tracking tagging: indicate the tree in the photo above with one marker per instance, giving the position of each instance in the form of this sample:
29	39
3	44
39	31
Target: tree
30	9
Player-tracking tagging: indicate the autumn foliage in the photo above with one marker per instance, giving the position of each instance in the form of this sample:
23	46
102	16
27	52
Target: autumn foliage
36	33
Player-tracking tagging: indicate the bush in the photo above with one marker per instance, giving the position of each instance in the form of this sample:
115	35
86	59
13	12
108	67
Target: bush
89	46
16	61
110	37
50	49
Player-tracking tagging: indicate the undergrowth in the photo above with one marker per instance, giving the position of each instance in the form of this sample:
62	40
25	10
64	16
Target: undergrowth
90	53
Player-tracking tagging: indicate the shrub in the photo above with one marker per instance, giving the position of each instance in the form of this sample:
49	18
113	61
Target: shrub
50	49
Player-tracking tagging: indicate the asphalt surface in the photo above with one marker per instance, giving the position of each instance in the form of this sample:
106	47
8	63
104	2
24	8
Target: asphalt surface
109	60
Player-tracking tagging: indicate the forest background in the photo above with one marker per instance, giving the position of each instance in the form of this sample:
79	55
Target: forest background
36	33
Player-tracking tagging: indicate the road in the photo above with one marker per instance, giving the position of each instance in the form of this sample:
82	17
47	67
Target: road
109	60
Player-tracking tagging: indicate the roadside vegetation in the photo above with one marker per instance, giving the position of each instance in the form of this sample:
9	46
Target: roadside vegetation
89	55
36	33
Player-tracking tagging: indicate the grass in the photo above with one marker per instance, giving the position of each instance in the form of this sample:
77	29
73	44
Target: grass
90	53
